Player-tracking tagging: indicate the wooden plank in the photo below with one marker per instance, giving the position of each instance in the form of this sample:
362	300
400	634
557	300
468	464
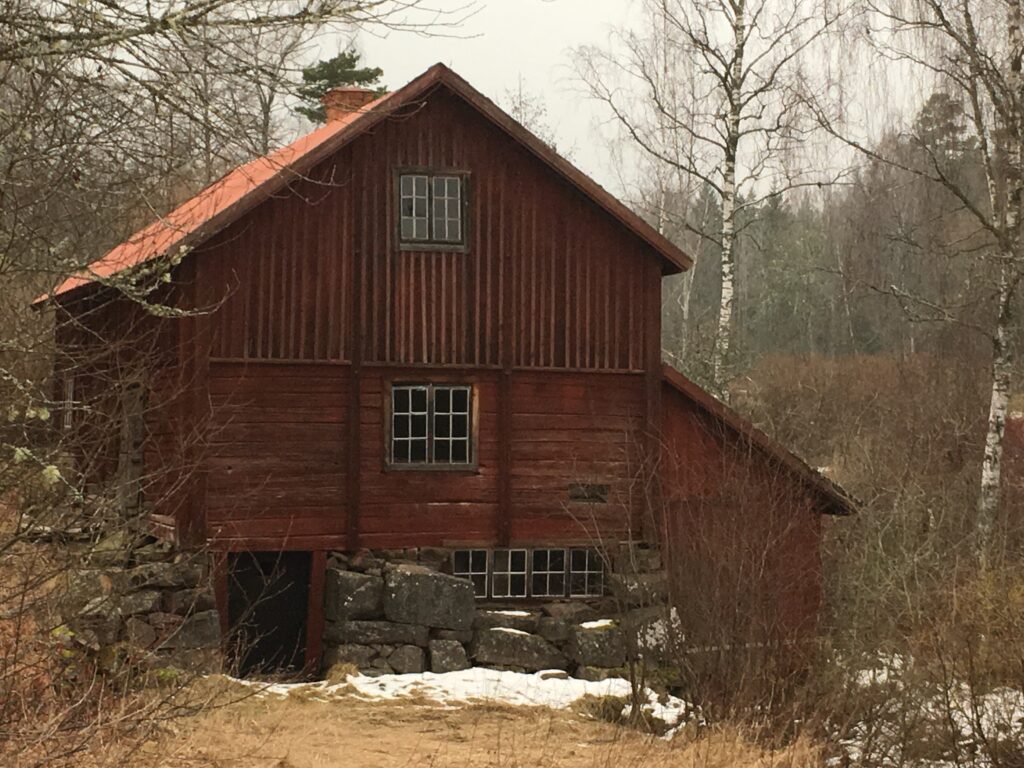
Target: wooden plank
315	612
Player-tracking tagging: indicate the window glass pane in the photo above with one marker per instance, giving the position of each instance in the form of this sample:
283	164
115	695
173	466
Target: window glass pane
557	561
517	585
442	451
556	584
539	584
460	426
442	399
413	207
419	426
460	452
419	400
418	450
479	584
442	425
499	584
579	559
400	451
401	426
401	399
460	400
460	561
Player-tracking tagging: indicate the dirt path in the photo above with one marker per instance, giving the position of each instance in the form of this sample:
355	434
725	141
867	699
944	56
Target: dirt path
293	732
310	728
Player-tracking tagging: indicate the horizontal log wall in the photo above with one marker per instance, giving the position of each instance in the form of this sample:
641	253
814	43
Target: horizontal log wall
276	462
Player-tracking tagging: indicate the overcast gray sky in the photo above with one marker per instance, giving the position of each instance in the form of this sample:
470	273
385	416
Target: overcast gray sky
506	39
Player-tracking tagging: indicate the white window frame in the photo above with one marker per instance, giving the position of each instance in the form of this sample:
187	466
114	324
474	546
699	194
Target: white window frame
509	572
443	201
432	418
592	573
472	571
549	572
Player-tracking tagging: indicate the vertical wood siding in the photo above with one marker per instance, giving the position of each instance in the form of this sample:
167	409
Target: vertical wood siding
575	278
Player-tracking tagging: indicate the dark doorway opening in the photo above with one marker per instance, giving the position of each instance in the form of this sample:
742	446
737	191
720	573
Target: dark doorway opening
268	601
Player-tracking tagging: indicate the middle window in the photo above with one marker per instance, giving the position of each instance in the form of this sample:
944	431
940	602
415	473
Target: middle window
431	424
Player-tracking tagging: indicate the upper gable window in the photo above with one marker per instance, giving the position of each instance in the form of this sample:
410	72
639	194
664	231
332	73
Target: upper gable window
431	209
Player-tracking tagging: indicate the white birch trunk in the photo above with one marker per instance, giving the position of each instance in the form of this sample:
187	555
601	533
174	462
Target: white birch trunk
723	334
991	467
1002	363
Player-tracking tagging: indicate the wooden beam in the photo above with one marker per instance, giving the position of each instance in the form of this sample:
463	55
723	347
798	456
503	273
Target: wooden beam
315	612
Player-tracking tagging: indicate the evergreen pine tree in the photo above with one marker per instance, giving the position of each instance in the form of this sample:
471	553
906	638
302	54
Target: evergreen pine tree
340	70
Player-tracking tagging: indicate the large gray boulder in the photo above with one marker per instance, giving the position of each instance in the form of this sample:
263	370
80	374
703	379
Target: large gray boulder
514	648
147	601
406	659
417	595
573	611
447	656
201	630
553	630
376	633
350	595
186	573
597	644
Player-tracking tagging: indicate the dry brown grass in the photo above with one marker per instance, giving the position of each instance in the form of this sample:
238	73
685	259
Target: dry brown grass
303	732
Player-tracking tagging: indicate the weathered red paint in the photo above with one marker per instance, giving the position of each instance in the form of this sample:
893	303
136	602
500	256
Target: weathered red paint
551	312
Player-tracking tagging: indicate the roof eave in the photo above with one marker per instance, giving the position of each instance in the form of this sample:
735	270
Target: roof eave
834	499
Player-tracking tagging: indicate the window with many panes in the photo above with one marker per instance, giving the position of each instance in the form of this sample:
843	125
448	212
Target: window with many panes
430	424
518	573
547	578
471	564
586	573
431	209
508	578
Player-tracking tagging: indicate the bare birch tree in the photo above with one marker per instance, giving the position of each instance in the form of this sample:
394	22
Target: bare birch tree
972	51
725	111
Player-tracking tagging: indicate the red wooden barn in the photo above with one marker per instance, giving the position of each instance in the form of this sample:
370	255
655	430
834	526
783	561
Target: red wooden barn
419	327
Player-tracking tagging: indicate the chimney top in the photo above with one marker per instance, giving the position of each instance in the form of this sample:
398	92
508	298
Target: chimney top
340	102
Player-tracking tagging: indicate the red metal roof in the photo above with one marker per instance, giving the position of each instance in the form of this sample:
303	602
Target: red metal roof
836	500
232	195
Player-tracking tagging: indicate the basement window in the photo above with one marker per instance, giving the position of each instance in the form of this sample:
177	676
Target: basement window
431	209
542	572
547	578
586	573
508	579
430	425
471	564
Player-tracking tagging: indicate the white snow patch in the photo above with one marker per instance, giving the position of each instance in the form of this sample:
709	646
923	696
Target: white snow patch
510	613
598	624
480	684
509	630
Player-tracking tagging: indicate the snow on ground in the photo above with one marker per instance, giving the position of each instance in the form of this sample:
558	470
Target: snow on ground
476	684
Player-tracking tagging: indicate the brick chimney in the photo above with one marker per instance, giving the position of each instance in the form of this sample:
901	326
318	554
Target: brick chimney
339	102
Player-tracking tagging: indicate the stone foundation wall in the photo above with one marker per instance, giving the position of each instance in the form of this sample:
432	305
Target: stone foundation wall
138	602
399	612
